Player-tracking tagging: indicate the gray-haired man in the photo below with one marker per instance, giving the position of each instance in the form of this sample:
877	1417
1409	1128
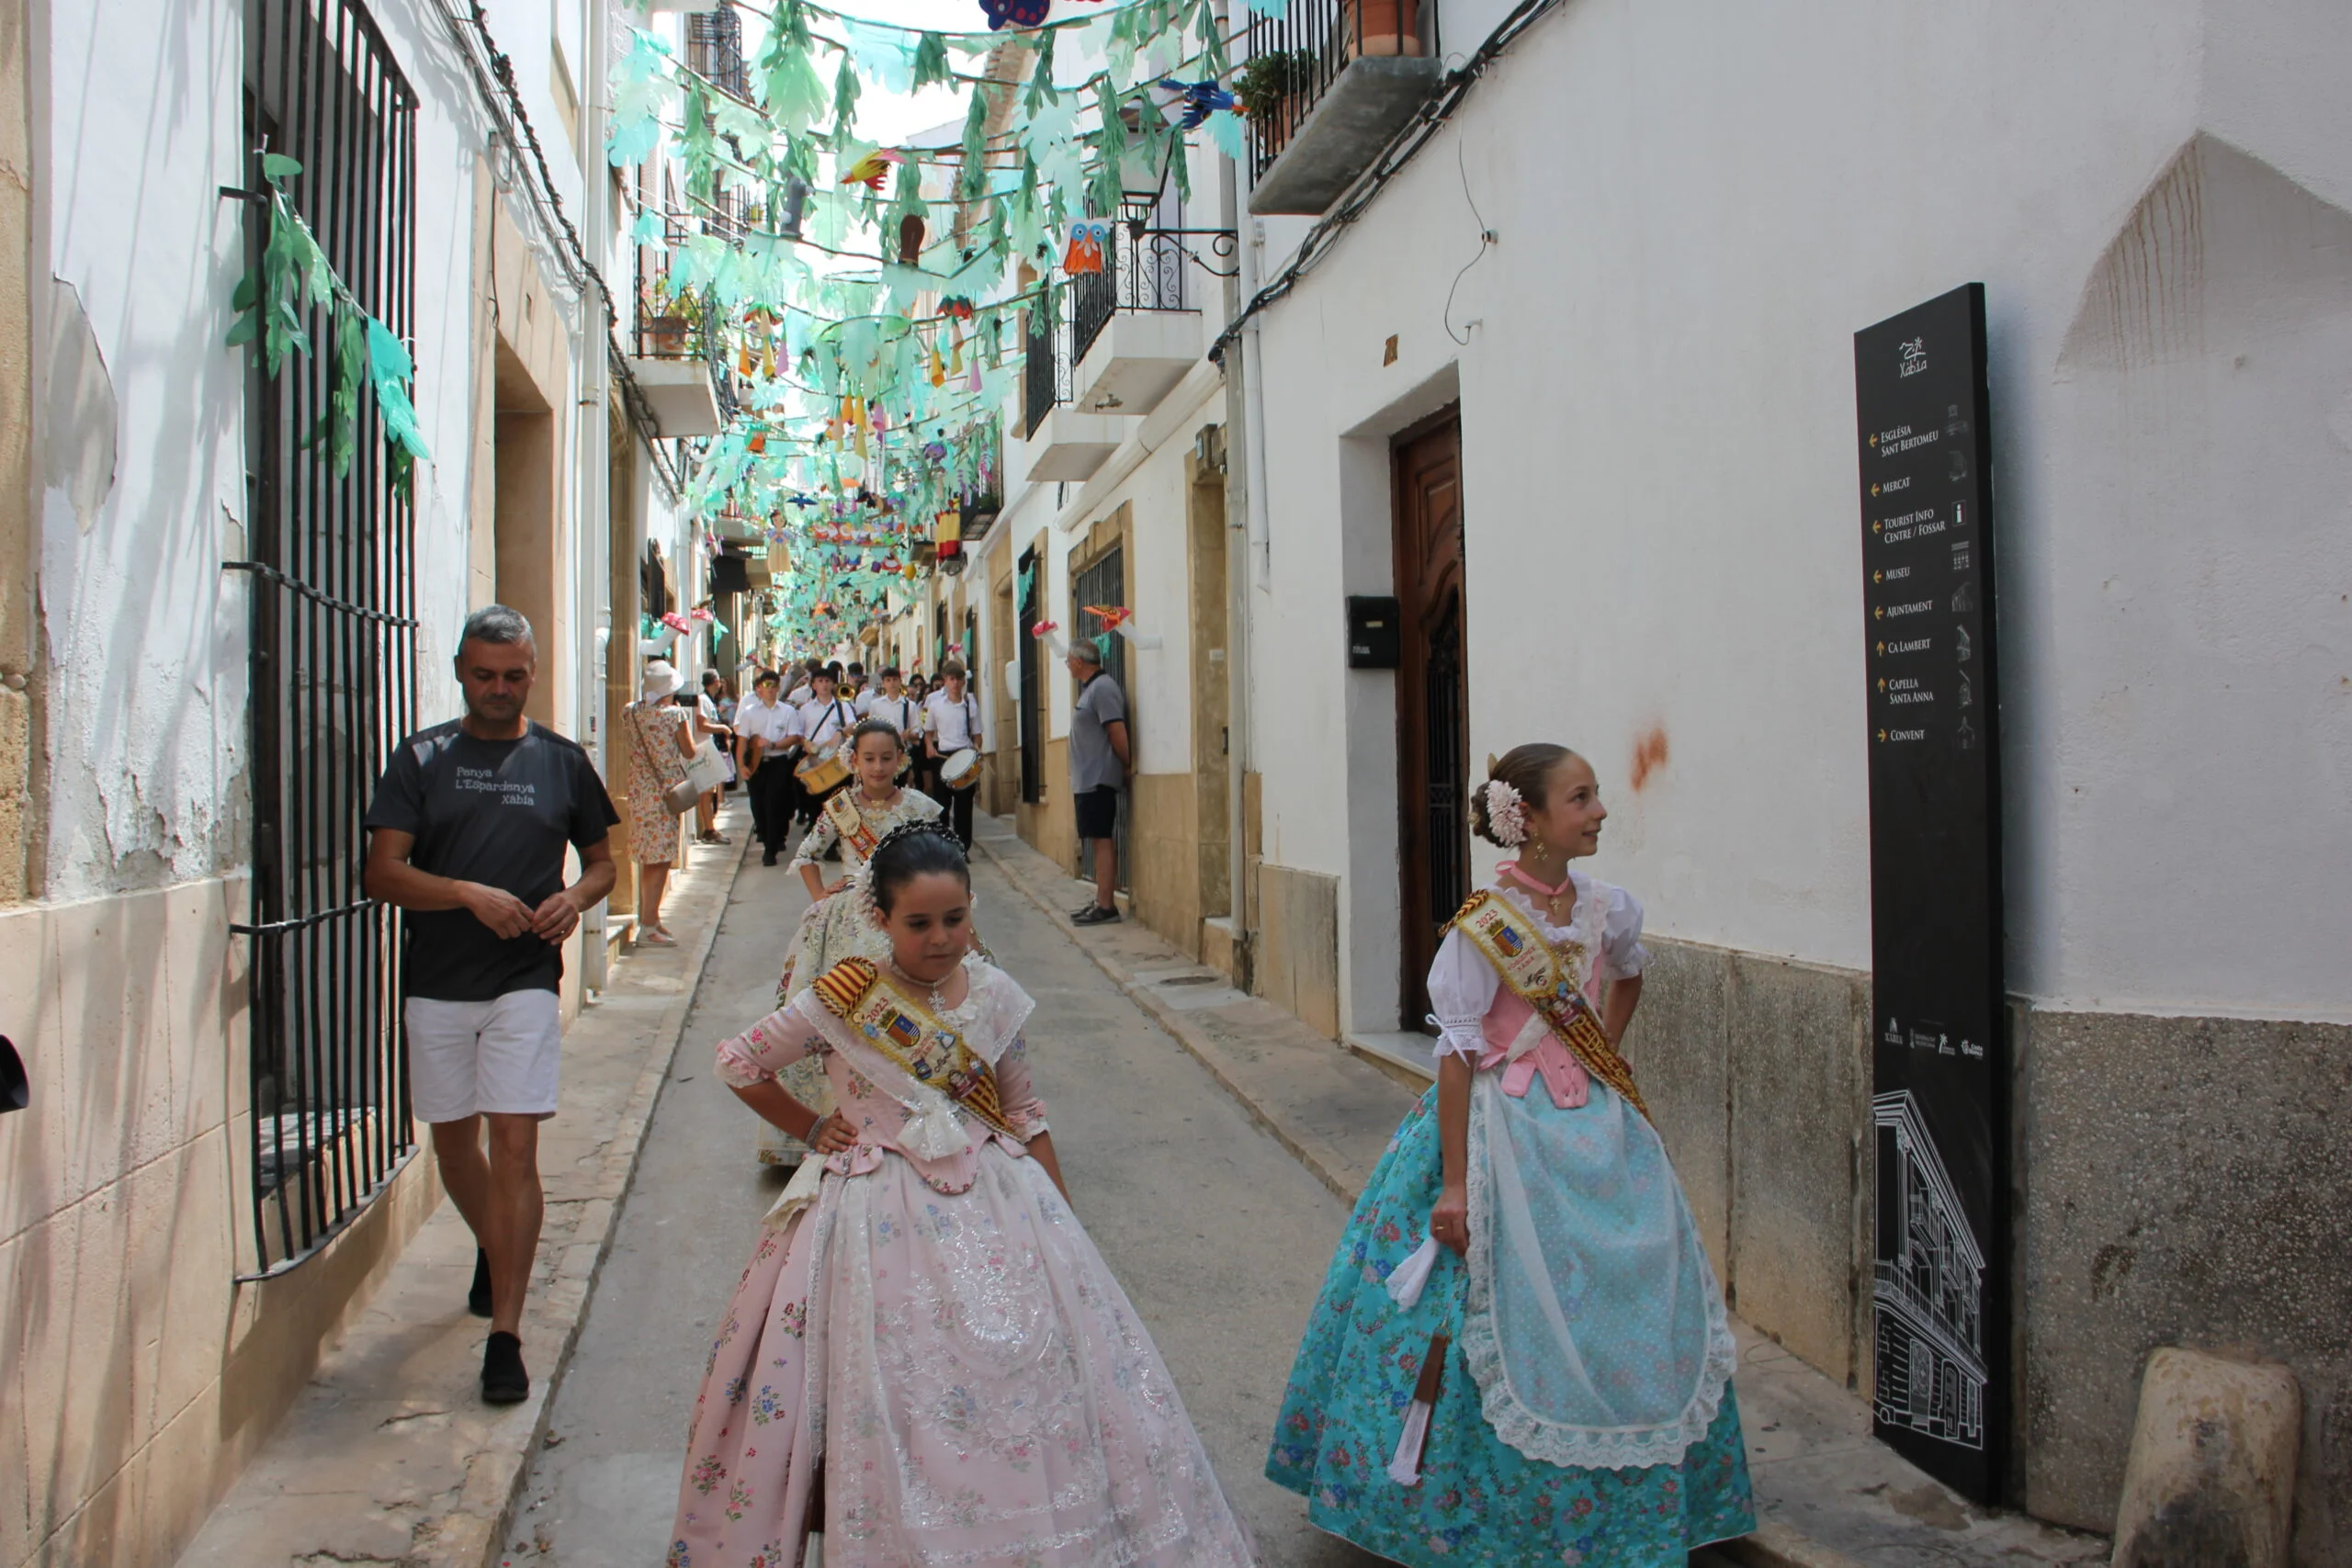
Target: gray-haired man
469	827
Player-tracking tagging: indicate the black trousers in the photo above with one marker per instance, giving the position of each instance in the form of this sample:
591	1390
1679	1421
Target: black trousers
958	804
773	789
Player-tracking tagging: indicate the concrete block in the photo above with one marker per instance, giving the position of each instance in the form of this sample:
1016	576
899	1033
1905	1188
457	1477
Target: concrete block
1676	1045
2186	1181
1800	1072
2211	1476
1299	969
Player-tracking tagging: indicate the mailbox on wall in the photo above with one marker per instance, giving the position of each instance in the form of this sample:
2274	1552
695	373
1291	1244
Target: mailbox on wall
1373	639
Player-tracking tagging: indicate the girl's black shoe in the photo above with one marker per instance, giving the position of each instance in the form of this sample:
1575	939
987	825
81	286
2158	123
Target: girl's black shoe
478	1297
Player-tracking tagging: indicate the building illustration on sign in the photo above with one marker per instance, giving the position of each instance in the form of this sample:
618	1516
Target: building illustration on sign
1928	1287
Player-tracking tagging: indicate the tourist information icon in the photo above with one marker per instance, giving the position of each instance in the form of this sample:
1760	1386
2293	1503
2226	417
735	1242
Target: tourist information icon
1939	1284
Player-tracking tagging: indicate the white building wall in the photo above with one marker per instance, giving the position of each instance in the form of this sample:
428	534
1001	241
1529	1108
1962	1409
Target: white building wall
1696	207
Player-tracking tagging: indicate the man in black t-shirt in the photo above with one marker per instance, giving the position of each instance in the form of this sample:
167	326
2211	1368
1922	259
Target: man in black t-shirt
468	832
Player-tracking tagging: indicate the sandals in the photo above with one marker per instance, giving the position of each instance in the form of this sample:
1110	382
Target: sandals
654	936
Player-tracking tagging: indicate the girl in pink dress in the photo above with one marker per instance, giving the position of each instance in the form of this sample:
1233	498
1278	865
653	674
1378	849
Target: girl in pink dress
927	1361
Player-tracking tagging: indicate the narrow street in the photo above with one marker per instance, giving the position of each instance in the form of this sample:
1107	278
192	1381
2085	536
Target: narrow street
1219	1234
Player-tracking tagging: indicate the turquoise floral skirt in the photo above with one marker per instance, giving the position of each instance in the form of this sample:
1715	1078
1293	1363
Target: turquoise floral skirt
1479	1501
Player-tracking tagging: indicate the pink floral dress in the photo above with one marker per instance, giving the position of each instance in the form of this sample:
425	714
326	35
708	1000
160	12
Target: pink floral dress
942	1335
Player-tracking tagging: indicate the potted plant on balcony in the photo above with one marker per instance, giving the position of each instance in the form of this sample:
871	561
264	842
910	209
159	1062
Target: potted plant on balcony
665	323
1268	88
1381	27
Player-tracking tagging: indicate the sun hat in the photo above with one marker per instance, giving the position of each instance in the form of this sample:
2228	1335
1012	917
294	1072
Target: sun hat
661	679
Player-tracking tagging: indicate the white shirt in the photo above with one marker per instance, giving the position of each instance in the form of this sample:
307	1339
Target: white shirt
902	712
801	695
771	723
827	724
952	724
1463	985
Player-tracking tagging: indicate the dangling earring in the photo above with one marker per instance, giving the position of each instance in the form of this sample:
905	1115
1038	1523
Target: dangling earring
1535	846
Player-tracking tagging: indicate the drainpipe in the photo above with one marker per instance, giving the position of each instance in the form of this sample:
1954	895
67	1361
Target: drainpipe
592	425
1248	477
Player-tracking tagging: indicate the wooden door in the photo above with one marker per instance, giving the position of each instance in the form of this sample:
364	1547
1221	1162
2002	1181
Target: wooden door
1432	721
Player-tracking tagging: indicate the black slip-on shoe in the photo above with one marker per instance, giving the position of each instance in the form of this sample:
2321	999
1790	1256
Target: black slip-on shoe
478	1297
503	1380
1097	916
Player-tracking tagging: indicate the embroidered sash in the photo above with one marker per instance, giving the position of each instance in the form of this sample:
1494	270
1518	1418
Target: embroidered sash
1546	981
907	1035
850	823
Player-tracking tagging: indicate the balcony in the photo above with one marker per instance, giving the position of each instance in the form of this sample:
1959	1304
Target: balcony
1135	328
681	366
1059	443
1353	74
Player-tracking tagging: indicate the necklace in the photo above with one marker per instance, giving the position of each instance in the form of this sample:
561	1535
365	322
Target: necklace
1552	896
938	1002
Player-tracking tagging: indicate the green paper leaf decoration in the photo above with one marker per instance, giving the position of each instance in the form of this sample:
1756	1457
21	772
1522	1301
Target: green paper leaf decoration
278	166
845	99
930	67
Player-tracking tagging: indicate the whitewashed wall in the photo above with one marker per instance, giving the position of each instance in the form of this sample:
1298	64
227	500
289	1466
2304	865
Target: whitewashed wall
1696	207
146	636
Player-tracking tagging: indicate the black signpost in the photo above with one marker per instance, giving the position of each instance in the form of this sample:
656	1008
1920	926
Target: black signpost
1941	1089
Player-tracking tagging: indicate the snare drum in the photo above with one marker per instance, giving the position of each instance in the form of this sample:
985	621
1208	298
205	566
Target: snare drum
960	770
822	772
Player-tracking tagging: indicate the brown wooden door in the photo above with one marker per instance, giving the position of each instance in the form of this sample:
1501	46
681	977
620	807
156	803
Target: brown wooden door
1432	721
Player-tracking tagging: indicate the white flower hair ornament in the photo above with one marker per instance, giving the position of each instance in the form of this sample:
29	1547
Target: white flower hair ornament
1506	814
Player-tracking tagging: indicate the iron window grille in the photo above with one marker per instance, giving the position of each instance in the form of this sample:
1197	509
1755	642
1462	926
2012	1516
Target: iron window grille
715	49
1319	39
333	646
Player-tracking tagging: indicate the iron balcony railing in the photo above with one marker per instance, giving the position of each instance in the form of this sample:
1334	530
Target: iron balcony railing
1308	45
681	326
1143	269
1047	365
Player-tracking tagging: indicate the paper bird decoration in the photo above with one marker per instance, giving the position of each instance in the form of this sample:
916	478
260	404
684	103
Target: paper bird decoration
956	306
1113	617
871	170
1200	99
1087	238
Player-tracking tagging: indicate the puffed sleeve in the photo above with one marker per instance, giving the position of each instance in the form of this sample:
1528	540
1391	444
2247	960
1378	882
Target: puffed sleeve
820	838
1022	1106
775	1041
1620	935
1462	987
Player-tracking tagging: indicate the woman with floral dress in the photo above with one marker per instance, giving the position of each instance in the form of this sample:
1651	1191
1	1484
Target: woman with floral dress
833	927
661	743
927	1362
1520	1354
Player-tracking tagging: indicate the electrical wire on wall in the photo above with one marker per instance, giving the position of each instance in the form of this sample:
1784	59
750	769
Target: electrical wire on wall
1486	238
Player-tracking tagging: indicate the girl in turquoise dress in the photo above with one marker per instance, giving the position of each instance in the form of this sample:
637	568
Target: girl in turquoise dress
1520	1354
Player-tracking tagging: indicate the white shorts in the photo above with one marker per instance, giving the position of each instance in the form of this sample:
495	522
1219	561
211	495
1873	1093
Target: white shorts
469	1057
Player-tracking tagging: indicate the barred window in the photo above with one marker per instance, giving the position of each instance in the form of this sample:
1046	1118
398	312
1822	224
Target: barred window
331	564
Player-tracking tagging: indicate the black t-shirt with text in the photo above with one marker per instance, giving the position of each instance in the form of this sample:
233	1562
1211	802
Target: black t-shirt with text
496	812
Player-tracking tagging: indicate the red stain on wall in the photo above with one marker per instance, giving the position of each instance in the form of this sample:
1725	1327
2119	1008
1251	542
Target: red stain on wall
1649	754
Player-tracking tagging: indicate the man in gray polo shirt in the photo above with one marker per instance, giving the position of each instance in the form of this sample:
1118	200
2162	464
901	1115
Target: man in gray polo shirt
1099	758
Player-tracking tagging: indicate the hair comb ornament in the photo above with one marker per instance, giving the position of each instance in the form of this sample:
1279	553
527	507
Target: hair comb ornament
1506	814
